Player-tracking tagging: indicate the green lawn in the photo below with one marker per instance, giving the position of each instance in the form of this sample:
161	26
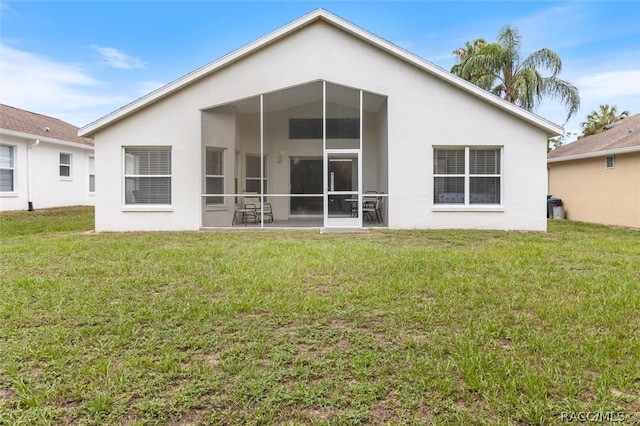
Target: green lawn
237	328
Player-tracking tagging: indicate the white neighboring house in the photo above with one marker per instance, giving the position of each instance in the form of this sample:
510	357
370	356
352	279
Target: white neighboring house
43	162
312	117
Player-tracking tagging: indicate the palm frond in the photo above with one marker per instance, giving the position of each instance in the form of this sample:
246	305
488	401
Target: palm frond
544	59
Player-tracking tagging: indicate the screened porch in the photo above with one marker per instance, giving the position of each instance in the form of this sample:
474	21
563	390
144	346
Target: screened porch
313	155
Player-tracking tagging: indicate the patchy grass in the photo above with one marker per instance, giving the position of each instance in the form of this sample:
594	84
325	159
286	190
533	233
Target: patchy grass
441	327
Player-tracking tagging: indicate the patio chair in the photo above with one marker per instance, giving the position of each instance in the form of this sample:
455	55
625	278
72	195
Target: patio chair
372	209
267	213
247	212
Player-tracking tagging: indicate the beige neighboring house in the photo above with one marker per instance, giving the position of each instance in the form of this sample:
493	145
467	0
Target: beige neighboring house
43	162
598	177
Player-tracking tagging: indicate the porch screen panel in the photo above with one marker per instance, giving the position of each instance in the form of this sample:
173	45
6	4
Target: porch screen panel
343	117
293	146
148	175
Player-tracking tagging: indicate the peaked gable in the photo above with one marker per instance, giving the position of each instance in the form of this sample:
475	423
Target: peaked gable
341	24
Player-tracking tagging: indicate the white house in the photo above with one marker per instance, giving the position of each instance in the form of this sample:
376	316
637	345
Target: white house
43	162
312	117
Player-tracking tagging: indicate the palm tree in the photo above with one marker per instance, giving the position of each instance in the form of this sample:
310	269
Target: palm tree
497	67
463	53
598	120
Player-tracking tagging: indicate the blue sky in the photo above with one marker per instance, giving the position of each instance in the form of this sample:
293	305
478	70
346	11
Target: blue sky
79	60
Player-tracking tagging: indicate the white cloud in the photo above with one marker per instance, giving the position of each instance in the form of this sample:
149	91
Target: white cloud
46	86
116	59
610	84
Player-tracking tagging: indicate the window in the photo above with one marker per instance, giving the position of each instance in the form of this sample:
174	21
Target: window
147	175
214	175
6	168
252	173
311	128
65	165
92	174
609	162
467	175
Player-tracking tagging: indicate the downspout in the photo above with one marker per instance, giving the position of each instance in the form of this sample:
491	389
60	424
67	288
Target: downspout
29	190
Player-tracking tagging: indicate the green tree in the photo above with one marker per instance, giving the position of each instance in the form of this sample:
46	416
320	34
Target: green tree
558	141
497	67
598	120
464	53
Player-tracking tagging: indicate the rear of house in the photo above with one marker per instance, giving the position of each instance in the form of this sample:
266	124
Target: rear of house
598	177
43	162
326	125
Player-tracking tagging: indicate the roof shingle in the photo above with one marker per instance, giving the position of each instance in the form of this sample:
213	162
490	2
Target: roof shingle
19	120
622	134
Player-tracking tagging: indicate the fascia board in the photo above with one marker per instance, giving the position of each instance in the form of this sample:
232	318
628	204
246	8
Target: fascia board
552	129
32	138
617	151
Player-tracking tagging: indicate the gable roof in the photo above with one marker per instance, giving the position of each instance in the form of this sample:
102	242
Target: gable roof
621	137
18	122
552	129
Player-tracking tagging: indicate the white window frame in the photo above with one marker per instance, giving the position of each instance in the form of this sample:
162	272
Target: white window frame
209	200
133	206
262	187
11	167
92	174
611	165
467	205
66	166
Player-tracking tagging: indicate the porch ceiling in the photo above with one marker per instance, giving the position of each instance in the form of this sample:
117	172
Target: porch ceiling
301	95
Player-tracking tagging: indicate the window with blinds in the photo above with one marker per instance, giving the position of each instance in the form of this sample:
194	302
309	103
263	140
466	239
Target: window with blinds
92	174
65	165
214	175
7	154
147	175
467	175
252	174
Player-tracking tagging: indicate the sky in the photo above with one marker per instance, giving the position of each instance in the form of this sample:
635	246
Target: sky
80	60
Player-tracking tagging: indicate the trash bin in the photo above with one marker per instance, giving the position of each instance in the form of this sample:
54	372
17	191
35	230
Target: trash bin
555	209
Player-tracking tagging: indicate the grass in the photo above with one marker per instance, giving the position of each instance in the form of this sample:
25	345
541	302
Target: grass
415	327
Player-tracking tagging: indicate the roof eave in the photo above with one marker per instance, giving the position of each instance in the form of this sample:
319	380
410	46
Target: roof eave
552	129
31	137
594	154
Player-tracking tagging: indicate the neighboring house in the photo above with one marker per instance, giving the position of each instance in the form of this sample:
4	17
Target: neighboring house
43	162
598	177
313	116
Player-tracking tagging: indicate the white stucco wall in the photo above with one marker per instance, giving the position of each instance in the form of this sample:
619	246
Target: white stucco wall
48	188
423	111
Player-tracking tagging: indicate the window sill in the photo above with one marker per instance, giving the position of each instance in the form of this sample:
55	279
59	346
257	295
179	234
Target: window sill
66	179
473	208
217	208
147	208
8	194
